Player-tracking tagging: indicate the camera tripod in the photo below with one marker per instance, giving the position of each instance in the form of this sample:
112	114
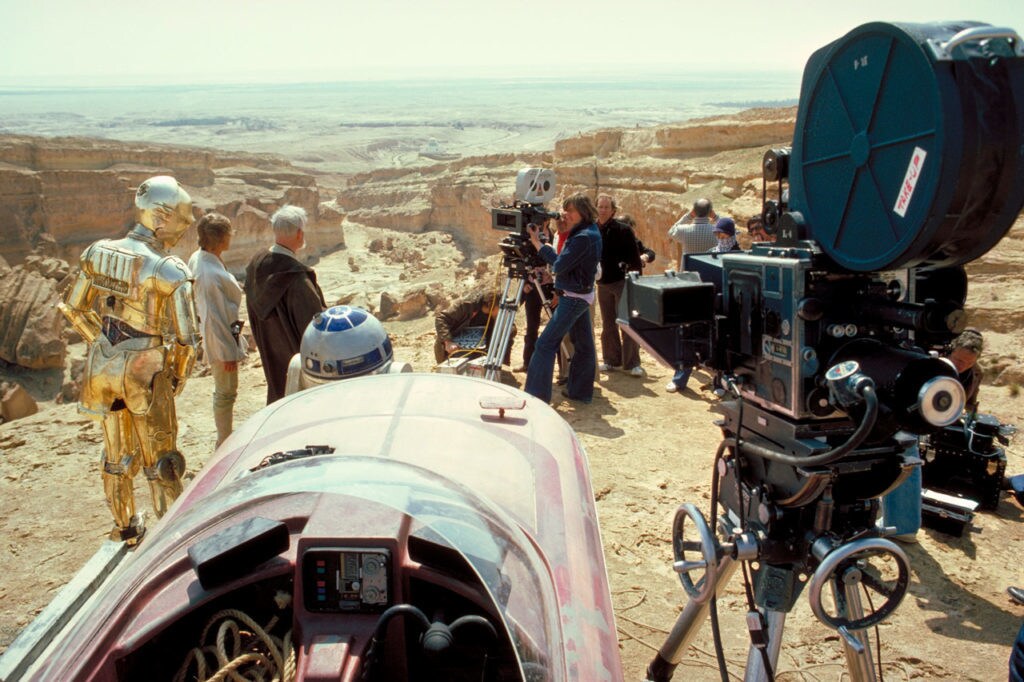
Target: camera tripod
815	527
518	274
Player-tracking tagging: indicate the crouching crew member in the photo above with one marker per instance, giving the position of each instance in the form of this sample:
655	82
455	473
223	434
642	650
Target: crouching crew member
475	310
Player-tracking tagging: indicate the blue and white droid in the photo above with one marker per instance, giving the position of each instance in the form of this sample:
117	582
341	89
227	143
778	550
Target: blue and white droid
341	343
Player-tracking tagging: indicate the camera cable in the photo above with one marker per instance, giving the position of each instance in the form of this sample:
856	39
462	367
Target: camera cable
867	423
878	636
716	633
756	625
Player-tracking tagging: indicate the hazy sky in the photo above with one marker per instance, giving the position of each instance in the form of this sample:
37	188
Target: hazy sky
73	42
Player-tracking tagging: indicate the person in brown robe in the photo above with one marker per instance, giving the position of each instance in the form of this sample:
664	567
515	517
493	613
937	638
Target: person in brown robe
282	296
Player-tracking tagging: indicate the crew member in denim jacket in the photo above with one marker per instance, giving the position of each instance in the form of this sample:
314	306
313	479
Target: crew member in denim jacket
575	269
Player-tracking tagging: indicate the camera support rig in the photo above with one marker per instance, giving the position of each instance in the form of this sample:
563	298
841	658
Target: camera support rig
794	522
534	187
519	271
826	338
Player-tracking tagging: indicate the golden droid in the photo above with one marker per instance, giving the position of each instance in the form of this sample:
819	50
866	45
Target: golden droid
132	302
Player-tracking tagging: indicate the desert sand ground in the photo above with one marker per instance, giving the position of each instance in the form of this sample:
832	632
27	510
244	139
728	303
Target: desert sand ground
649	451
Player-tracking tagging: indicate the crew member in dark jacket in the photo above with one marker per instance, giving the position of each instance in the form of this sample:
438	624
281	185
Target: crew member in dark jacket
281	296
575	269
620	252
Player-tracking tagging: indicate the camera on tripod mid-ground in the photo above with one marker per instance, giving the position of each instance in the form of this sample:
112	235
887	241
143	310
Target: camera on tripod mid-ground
827	338
534	188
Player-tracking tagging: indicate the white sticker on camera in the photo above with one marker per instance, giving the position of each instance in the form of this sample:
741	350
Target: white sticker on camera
909	182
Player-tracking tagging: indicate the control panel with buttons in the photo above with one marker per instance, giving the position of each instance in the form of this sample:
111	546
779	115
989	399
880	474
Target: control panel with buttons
337	580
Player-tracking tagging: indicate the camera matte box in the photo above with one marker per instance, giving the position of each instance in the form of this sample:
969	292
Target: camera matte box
672	298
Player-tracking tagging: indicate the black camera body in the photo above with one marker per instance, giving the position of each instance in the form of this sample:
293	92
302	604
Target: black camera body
516	248
516	217
518	253
785	314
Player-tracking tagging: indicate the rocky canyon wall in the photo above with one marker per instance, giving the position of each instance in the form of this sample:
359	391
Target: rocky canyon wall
79	190
76	191
655	174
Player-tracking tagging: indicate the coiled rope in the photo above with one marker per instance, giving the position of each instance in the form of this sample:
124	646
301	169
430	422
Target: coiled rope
251	654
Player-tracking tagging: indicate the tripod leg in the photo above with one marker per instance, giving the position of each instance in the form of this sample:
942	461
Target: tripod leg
856	644
776	620
503	323
685	629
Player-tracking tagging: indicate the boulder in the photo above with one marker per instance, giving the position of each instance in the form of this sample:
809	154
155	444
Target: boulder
15	402
30	324
410	305
47	266
388	306
69	392
414	305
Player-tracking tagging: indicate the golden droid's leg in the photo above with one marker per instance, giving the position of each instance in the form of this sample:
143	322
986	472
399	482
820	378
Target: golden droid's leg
120	465
158	433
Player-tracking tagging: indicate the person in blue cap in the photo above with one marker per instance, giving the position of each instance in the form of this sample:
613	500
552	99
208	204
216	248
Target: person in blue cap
725	232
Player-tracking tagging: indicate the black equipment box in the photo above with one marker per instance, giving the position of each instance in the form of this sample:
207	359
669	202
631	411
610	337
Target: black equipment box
946	513
670	299
964	459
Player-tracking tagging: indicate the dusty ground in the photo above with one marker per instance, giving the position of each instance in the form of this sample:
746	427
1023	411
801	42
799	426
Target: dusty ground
649	451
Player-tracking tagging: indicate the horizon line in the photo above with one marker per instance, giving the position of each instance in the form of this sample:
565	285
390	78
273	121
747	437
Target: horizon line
33	84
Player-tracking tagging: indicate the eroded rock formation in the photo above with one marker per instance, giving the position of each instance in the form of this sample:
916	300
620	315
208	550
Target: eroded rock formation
30	324
655	174
80	190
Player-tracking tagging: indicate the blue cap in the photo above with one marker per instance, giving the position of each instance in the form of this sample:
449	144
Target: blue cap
725	226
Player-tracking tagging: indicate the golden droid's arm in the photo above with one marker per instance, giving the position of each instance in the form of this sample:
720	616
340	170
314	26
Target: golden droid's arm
77	303
185	323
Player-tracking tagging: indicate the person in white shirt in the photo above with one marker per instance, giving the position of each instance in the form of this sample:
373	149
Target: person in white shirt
218	296
695	232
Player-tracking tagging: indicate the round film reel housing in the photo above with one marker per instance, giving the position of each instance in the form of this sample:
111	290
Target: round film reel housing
908	147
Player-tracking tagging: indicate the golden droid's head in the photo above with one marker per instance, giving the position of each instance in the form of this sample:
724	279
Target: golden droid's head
162	206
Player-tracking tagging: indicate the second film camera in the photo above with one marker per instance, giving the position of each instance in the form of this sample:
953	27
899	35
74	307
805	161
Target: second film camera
534	188
827	338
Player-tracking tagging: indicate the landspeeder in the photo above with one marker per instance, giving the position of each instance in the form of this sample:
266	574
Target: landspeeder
407	526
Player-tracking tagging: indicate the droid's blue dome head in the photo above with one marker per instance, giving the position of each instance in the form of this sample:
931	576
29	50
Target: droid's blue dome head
344	342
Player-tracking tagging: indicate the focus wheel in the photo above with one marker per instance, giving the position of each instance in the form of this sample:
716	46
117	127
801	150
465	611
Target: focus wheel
685	564
866	556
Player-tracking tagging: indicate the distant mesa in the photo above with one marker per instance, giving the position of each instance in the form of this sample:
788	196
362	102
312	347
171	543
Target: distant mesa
433	150
242	123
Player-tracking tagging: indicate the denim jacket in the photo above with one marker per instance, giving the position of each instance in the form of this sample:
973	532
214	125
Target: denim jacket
576	267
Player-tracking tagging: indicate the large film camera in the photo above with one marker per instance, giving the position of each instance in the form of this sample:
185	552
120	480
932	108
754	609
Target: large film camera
907	162
534	188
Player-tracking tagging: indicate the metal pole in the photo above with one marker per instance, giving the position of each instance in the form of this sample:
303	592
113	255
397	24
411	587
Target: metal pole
775	622
503	324
685	628
856	644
